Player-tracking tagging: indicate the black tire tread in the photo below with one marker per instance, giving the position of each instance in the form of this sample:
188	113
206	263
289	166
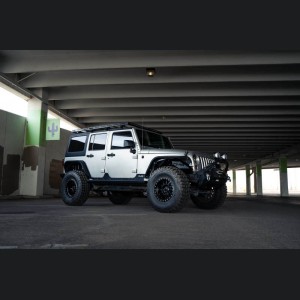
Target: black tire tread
84	193
184	183
218	199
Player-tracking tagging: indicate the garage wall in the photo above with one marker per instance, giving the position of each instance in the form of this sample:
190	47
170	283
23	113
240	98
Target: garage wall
55	153
12	132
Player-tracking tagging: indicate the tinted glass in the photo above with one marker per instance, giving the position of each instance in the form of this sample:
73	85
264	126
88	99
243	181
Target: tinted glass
77	143
153	140
119	140
97	142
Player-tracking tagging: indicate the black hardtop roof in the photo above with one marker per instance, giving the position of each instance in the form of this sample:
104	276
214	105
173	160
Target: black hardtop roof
114	126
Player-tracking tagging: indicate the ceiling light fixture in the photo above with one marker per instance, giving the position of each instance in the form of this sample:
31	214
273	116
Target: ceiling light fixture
150	72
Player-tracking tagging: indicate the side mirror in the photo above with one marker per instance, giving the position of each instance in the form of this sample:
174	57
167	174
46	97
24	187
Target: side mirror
132	150
131	145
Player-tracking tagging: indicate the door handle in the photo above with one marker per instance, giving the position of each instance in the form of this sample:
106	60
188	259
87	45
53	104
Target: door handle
91	155
111	154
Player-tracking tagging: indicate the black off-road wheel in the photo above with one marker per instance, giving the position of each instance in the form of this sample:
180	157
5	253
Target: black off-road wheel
75	188
119	198
213	199
168	189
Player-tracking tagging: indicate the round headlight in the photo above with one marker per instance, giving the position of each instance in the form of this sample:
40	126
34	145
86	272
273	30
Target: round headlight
217	155
224	156
196	159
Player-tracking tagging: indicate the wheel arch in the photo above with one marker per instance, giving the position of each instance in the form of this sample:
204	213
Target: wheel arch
160	161
78	165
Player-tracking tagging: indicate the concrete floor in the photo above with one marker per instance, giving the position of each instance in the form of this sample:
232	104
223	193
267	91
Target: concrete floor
239	224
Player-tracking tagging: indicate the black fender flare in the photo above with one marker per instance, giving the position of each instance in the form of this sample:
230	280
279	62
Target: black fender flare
160	161
80	163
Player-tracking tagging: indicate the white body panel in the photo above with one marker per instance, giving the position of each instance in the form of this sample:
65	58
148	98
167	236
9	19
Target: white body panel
122	163
146	156
96	163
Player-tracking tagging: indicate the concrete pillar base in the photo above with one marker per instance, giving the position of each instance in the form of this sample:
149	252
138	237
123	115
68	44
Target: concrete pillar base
32	171
284	190
248	183
234	182
259	191
33	157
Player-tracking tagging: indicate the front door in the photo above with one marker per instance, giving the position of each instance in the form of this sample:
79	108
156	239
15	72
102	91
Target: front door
95	155
120	161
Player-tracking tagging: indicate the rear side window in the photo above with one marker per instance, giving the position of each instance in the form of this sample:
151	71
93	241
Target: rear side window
77	143
97	142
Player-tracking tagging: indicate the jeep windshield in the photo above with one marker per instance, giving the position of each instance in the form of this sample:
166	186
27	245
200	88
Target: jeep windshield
149	139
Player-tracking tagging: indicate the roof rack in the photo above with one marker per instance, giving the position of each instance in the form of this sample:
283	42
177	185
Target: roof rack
113	126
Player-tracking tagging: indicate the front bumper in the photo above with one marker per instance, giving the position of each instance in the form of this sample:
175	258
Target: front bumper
216	177
211	176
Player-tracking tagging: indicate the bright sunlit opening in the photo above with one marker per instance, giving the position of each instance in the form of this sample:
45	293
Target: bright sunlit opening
12	103
64	124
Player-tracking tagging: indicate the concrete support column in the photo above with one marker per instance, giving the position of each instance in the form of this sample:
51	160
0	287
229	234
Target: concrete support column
234	182
33	157
254	179
284	190
259	190
248	185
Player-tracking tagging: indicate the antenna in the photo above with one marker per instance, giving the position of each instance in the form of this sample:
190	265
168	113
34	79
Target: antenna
142	133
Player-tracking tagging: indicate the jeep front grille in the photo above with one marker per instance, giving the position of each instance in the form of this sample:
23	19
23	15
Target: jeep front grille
204	162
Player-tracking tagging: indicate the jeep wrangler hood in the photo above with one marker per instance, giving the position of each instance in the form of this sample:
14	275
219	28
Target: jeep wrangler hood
174	152
171	152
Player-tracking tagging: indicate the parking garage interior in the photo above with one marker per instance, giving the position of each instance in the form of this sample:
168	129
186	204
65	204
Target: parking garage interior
244	104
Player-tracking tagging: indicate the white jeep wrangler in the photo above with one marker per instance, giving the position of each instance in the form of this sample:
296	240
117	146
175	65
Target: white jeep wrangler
126	160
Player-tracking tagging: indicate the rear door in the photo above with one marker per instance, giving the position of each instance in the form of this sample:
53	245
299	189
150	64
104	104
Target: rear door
95	154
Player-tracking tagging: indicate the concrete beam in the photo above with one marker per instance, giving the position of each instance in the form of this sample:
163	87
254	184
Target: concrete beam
229	130
149	120
287	151
180	102
171	112
165	75
19	61
259	145
176	90
242	135
165	126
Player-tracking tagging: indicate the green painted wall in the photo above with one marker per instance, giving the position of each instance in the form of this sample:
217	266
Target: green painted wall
36	128
258	169
283	164
234	174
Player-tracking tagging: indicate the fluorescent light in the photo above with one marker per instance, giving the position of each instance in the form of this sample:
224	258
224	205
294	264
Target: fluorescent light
12	103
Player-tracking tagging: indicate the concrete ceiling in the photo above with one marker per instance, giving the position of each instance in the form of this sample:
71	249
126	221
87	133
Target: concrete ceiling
246	104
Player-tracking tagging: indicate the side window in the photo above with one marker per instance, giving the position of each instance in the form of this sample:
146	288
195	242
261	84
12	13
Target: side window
122	140
97	142
77	143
